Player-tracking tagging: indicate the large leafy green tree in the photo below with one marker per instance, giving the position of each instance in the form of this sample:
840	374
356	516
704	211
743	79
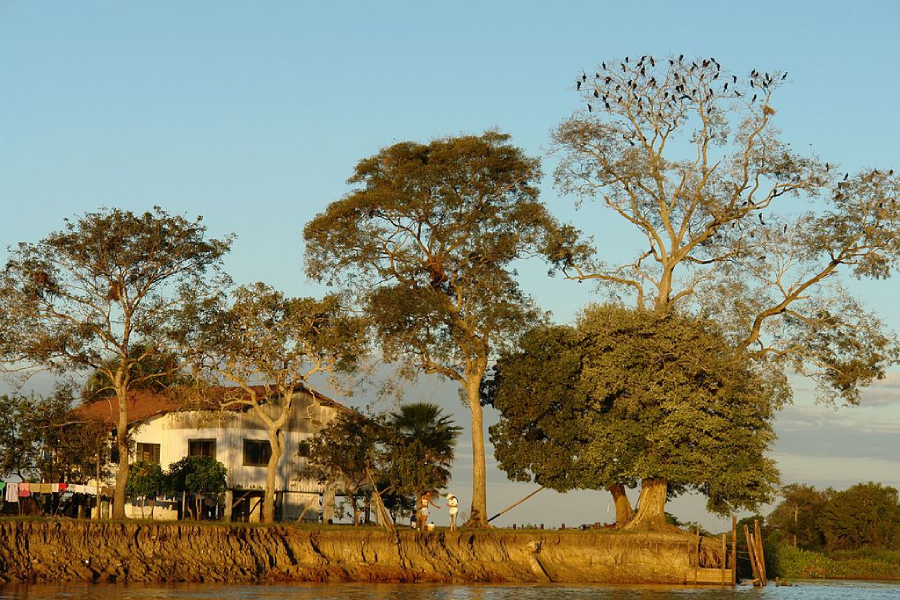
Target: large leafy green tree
427	242
548	417
637	395
689	157
99	296
268	345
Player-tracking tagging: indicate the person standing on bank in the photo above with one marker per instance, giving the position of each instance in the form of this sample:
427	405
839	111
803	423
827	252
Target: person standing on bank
453	509
424	501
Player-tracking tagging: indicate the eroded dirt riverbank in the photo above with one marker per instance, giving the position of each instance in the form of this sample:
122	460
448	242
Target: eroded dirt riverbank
55	551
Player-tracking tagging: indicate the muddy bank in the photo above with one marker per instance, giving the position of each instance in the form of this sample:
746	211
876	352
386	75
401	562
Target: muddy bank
54	551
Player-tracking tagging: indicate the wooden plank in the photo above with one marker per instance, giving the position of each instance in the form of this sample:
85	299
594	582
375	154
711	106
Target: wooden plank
711	576
724	558
760	556
751	551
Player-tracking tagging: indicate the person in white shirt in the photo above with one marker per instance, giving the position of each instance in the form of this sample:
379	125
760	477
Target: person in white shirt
453	509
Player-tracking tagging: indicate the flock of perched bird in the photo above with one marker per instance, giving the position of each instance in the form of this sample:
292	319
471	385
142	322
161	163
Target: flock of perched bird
661	92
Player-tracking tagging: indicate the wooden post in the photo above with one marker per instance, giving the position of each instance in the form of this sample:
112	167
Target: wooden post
733	550
760	556
697	552
724	556
751	550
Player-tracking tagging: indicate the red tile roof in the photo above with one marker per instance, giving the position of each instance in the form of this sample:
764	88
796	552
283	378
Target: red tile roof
143	404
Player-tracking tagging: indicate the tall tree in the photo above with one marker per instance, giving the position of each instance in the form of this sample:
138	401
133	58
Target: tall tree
427	242
688	155
104	287
654	397
268	345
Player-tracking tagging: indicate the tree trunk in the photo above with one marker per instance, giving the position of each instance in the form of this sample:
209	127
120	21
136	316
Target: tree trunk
352	496
123	468
268	515
651	513
624	512
478	516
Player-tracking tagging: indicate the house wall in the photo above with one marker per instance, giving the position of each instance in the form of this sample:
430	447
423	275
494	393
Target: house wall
173	432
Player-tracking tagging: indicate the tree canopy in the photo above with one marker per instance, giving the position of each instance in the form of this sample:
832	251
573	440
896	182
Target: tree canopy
427	242
630	395
268	345
99	296
738	225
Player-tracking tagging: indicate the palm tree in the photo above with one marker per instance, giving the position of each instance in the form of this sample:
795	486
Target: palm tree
418	449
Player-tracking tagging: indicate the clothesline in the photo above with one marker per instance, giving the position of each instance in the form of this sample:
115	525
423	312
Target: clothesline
14	491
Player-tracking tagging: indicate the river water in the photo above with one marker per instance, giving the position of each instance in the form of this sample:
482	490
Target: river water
817	590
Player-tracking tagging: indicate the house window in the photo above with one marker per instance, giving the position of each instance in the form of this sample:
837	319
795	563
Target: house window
148	453
303	449
257	453
202	448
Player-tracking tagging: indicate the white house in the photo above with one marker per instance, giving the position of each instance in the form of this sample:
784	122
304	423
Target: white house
165	429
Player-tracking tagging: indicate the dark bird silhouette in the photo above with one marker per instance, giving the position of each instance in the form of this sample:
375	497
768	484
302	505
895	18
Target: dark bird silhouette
590	108
761	222
754	99
783	77
846	176
583	77
735	78
725	89
680	57
578	85
827	167
596	94
626	59
785	229
604	66
891	172
607	105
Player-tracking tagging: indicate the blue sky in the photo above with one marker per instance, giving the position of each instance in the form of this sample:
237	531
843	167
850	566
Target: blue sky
254	114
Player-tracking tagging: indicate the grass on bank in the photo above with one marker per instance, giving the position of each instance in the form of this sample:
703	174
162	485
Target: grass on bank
793	563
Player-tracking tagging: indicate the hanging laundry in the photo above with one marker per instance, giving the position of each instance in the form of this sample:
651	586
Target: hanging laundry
24	490
62	486
12	492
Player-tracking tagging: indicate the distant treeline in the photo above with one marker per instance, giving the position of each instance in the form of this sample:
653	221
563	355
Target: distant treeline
849	534
866	515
